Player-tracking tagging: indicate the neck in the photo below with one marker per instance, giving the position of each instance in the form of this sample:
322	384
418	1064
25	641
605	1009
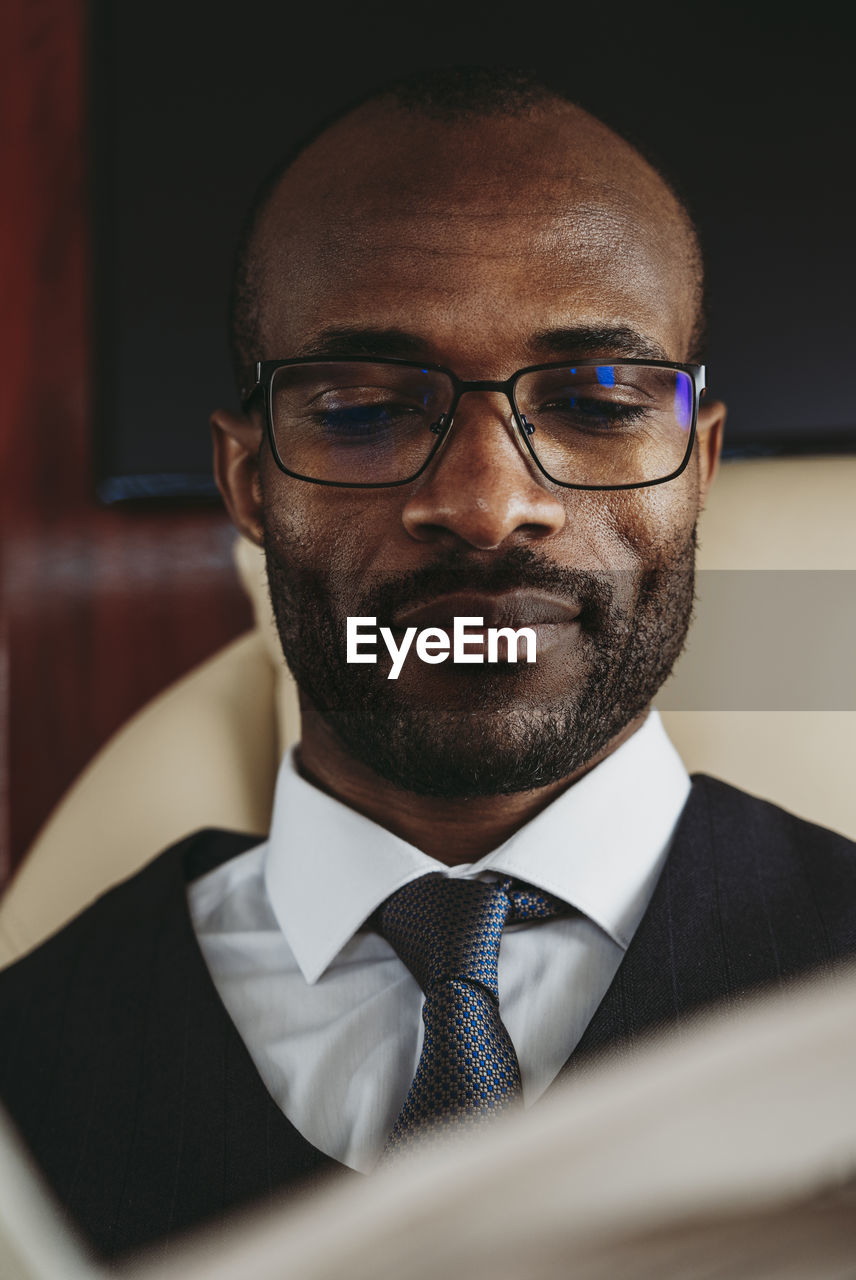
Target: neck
452	831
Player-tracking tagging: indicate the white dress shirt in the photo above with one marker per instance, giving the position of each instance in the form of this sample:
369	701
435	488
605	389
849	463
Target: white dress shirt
330	1015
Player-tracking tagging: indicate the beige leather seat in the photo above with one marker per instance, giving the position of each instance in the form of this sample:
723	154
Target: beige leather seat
205	752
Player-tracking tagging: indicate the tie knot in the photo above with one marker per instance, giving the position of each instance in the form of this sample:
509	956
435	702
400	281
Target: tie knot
446	929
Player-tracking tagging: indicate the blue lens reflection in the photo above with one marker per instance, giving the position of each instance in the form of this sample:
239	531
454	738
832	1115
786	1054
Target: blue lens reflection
683	401
606	375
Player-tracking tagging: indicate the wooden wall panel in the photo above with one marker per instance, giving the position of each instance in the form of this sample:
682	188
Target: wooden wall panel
101	608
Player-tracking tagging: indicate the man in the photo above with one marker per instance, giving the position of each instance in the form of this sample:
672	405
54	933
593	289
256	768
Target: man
466	324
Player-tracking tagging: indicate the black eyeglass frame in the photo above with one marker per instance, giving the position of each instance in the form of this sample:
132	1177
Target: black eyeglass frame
264	371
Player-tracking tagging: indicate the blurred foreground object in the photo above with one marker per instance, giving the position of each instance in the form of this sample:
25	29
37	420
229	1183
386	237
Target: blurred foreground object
205	752
728	1149
35	1243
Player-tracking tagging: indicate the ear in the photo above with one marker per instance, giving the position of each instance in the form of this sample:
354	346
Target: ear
237	441
709	428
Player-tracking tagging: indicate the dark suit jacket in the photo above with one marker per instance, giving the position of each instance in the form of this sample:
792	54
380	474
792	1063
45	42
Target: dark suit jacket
130	1084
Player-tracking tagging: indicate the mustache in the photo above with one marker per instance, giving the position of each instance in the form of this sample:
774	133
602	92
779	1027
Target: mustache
519	569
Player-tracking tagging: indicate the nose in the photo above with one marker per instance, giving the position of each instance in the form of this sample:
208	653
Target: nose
482	488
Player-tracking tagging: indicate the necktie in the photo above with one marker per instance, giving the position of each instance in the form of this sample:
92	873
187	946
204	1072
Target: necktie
447	931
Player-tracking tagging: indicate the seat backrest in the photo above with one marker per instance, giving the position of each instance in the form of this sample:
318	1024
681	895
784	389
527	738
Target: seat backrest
772	526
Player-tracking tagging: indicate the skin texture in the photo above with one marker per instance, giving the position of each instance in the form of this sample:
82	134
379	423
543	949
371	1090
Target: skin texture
474	238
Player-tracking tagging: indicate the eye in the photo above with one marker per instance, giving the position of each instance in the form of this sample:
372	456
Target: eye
589	413
357	420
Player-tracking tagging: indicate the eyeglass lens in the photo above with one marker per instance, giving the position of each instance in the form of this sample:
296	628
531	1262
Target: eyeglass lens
366	423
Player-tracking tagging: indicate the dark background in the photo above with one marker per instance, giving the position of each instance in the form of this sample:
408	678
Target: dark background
749	109
132	137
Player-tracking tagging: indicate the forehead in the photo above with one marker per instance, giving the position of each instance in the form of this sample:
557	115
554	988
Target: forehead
503	226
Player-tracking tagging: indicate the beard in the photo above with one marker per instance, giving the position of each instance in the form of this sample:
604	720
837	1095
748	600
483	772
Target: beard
490	729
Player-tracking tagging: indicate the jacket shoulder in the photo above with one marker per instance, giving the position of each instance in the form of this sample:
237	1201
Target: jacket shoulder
728	804
127	909
790	867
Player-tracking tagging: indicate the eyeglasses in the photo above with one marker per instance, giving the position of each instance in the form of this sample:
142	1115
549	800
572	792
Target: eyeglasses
370	423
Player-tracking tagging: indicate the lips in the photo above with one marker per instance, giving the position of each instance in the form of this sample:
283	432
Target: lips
515	609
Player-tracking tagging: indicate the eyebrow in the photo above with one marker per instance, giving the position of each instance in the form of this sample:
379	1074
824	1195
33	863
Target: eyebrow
585	340
343	340
574	342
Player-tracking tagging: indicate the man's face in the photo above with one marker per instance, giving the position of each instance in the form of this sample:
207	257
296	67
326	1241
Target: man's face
481	247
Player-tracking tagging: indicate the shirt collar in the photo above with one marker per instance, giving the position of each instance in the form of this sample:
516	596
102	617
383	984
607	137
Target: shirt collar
599	846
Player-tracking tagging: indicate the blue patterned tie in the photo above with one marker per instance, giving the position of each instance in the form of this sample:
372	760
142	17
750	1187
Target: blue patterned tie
447	931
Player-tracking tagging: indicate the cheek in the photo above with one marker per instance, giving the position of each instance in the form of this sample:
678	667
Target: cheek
648	526
336	533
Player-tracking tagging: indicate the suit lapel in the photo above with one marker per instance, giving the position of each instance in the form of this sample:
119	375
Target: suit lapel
205	1126
738	907
677	959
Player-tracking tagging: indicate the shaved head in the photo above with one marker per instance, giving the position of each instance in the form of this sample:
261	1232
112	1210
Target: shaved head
468	133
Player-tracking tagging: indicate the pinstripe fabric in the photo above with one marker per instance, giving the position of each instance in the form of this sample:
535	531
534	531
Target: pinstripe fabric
127	1078
750	896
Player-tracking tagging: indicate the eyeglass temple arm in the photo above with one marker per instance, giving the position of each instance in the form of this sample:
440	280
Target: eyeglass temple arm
251	383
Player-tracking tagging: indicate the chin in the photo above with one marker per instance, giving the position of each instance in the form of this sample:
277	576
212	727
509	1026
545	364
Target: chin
474	752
